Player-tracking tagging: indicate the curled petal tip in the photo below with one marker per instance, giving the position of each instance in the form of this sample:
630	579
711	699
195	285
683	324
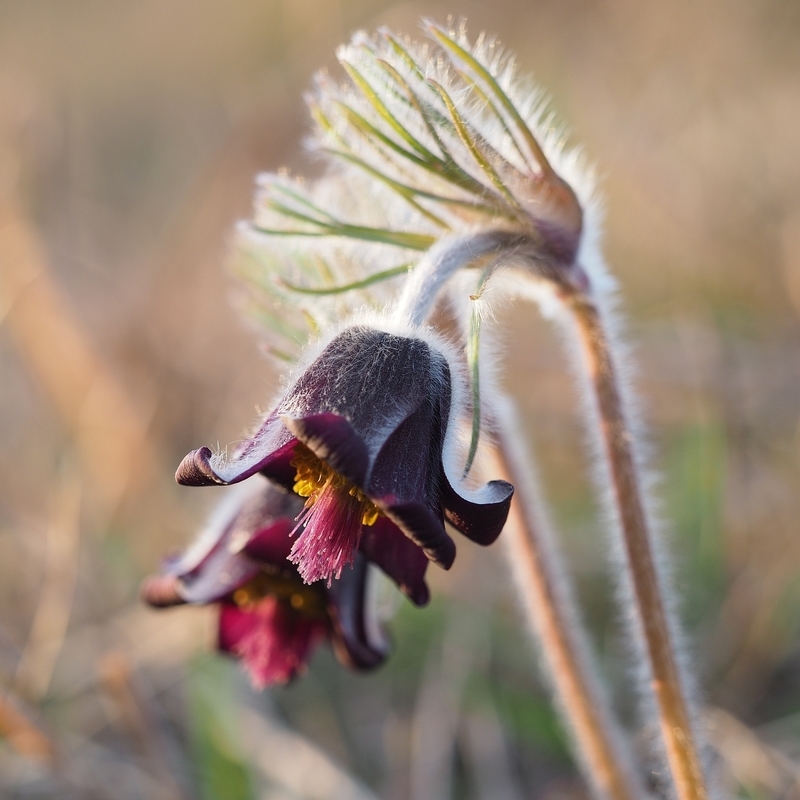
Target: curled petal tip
161	591
390	549
442	552
358	640
444	556
504	489
195	469
418	595
482	520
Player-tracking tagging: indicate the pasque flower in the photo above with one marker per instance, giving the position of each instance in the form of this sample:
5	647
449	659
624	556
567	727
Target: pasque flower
268	617
443	159
364	434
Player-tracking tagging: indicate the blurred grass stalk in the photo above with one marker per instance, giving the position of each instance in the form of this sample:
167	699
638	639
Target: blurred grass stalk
22	733
249	751
107	453
437	711
54	605
549	605
139	719
108	433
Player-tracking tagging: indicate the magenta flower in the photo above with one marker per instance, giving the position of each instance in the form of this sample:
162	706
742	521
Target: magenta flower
269	618
362	434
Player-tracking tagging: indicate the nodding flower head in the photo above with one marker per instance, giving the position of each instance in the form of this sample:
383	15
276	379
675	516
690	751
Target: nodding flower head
363	435
268	617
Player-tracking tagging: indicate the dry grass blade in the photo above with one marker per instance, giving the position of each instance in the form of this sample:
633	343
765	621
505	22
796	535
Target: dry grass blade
110	434
292	761
22	733
548	603
49	627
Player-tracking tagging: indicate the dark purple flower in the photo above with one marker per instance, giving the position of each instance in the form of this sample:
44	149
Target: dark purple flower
269	617
361	433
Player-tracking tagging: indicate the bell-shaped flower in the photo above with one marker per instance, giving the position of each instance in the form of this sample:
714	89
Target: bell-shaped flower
367	434
268	616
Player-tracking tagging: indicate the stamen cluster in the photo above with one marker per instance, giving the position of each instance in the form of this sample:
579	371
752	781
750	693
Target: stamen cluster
307	600
330	523
313	477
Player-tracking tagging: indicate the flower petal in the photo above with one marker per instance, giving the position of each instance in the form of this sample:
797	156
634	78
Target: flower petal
195	469
272	545
273	641
332	438
423	527
258	532
372	379
386	546
222	574
356	641
269	450
409	463
481	518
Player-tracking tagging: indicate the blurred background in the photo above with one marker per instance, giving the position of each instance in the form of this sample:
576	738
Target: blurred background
130	134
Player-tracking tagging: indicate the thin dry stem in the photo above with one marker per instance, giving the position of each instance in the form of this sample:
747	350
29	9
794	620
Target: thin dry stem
438	711
54	607
109	432
138	718
18	729
674	717
556	625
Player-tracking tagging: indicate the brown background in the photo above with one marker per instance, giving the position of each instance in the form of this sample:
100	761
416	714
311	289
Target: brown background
130	133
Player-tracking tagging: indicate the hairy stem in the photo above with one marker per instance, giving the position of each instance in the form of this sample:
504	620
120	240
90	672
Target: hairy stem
674	717
548	603
439	264
450	254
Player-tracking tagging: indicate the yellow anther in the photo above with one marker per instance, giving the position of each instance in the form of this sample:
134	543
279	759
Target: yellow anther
307	600
242	597
370	515
312	475
297	601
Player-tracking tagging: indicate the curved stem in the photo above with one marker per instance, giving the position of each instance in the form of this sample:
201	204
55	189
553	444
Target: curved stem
446	257
674	716
454	252
549	605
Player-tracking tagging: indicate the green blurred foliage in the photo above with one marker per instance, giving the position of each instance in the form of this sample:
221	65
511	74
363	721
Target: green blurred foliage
220	772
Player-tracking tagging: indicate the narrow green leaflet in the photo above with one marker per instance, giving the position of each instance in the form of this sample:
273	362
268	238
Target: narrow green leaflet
447	168
486	100
367	129
466	136
405	189
473	353
411	241
464	55
282	188
414	102
383	111
362	284
406	192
